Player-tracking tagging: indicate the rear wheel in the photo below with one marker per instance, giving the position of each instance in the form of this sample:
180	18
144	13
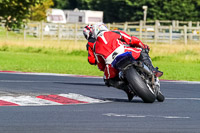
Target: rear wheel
139	86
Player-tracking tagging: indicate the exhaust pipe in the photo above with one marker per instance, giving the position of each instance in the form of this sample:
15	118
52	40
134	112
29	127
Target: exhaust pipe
147	70
143	67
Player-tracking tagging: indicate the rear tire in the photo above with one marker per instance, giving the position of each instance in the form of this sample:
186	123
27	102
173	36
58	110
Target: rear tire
139	86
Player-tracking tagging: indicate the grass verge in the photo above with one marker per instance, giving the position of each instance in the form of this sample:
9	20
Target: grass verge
50	63
185	65
179	62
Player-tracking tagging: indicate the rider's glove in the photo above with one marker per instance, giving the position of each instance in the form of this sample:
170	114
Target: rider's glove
146	48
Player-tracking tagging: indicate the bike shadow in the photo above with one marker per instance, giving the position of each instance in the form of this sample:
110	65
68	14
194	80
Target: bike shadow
137	100
85	84
121	100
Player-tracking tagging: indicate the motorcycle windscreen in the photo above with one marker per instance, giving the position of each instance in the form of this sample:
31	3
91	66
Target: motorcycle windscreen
122	60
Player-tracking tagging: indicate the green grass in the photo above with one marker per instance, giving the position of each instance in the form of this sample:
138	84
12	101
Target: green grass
179	62
75	62
50	63
179	70
184	65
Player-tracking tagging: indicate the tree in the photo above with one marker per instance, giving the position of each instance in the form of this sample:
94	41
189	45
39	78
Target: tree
180	10
16	12
61	4
38	12
72	4
131	10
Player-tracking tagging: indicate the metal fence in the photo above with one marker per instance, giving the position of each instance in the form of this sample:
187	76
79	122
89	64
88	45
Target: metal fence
151	31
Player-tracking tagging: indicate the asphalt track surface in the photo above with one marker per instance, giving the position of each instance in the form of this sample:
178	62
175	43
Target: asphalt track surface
179	113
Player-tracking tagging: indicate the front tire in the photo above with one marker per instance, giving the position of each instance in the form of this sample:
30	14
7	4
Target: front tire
139	86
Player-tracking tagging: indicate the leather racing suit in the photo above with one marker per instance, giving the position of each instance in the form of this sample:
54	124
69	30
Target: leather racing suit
90	45
110	44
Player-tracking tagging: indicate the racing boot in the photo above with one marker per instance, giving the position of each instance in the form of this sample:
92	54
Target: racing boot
120	85
144	56
130	94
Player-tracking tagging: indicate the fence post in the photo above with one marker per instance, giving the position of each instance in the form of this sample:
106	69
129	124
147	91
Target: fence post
125	26
185	34
198	31
140	32
177	23
156	32
24	30
190	26
198	24
6	33
75	34
170	34
59	36
38	30
173	23
108	26
41	30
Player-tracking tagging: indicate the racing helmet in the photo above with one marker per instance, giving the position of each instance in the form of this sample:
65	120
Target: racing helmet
98	28
87	31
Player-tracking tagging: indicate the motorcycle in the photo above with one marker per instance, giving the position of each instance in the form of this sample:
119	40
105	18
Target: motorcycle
137	76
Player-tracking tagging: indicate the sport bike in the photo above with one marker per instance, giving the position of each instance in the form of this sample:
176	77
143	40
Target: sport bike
137	76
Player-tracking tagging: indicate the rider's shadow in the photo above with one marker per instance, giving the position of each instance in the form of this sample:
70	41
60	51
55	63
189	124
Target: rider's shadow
86	84
122	100
103	99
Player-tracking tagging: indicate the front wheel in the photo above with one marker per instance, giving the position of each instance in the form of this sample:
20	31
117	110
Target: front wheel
139	86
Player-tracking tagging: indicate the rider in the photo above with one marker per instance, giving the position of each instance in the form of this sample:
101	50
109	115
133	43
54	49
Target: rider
88	33
109	44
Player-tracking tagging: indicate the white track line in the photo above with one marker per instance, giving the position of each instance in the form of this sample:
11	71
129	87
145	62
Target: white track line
198	99
144	116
